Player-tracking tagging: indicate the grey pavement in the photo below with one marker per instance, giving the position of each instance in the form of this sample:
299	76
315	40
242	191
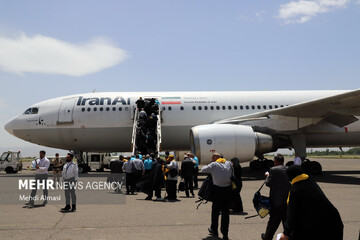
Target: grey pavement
140	219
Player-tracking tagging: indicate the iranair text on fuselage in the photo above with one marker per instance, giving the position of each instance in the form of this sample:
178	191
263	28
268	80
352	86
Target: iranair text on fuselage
100	101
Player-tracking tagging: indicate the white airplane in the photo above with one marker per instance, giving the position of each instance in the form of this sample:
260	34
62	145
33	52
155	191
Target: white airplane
236	124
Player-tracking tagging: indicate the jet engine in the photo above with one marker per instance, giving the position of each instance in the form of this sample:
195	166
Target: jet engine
230	140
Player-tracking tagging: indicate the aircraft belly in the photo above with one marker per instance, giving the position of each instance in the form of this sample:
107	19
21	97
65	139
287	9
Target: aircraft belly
333	140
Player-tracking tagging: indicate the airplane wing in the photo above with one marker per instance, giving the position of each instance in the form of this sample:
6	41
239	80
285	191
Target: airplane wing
339	110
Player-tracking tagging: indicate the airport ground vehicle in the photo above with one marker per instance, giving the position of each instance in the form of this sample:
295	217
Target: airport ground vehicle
97	161
10	162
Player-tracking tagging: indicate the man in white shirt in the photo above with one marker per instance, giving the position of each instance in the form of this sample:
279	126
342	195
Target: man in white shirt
297	160
70	176
42	165
221	172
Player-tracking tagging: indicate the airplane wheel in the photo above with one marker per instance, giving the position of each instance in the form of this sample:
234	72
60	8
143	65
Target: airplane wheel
316	168
9	170
267	164
289	163
257	165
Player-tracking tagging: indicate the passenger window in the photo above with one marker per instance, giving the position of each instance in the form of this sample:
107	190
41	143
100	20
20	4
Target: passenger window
223	107
241	107
181	108
107	109
200	107
163	108
259	107
169	108
217	108
211	107
235	107
126	109
114	108
282	106
264	106
270	106
194	108
120	108
83	109
276	106
101	109
89	109
95	109
253	107
247	107
206	108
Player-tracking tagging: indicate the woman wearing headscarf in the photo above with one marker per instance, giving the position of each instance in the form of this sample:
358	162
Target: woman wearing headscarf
236	202
310	214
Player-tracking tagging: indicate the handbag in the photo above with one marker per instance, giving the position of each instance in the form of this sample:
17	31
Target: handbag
206	191
261	204
181	186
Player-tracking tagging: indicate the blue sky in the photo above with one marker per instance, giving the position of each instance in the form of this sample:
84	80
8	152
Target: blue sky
56	48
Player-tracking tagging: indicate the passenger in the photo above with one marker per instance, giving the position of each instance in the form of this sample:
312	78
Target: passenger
153	181
129	169
41	165
70	177
139	167
196	170
236	202
221	172
151	141
279	185
148	164
297	160
187	170
171	178
140	103
116	170
116	166
142	114
57	166
310	214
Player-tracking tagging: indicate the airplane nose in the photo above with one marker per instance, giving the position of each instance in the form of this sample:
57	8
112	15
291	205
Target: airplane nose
9	127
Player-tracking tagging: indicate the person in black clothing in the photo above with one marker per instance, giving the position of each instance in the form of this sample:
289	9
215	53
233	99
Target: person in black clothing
116	166
187	167
153	181
279	185
236	202
310	214
140	103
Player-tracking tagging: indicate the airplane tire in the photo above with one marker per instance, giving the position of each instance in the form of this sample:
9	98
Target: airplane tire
289	163
9	170
316	168
267	164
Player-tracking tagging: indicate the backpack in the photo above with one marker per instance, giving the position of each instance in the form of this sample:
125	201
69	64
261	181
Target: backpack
206	191
261	204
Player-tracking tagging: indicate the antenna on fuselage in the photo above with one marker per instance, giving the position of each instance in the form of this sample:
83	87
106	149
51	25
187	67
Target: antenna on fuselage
94	90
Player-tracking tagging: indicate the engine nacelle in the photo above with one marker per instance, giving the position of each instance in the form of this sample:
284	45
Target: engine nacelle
230	140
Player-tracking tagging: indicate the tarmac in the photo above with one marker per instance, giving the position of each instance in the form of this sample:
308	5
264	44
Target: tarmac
136	218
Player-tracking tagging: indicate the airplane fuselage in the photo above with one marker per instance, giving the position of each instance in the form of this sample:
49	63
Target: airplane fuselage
102	122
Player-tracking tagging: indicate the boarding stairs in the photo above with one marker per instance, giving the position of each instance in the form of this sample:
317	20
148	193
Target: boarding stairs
158	132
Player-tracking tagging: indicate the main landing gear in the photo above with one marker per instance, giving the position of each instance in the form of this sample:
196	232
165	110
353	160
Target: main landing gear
310	167
261	163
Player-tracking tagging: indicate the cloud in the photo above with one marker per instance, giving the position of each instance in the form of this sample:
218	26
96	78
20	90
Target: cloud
42	54
303	11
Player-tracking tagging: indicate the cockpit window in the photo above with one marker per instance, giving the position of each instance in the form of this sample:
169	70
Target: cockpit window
31	111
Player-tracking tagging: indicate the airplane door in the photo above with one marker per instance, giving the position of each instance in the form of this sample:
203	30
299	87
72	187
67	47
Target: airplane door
66	110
